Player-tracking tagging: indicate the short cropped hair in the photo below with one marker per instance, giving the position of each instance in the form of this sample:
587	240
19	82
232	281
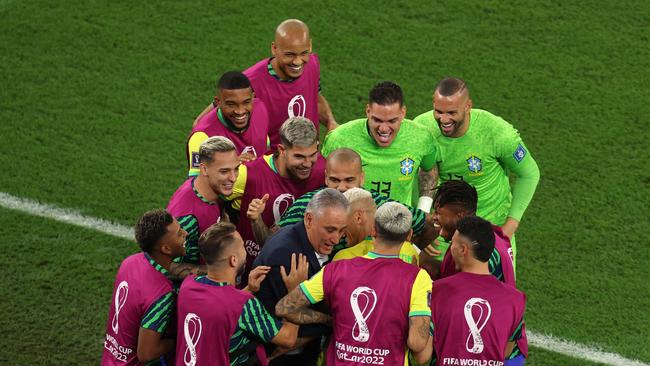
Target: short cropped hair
215	239
345	155
393	223
480	234
151	227
457	193
233	80
386	93
213	145
450	86
298	131
327	198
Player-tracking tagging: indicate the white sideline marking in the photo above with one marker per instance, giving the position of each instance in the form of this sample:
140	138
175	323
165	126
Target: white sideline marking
549	343
64	215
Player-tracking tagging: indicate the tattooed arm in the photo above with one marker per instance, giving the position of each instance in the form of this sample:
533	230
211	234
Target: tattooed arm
428	181
418	333
178	271
295	308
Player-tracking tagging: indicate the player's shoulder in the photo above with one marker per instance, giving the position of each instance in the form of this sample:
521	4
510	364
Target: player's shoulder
257	70
313	58
350	131
492	123
427	121
181	196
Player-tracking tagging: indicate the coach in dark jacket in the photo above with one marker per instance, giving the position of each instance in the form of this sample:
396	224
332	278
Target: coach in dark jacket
315	237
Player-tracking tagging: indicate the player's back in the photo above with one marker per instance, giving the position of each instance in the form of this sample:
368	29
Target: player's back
208	313
137	286
370	303
474	317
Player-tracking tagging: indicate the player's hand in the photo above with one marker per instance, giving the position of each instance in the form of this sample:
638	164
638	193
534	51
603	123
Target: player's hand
256	207
298	273
255	278
432	249
509	227
246	157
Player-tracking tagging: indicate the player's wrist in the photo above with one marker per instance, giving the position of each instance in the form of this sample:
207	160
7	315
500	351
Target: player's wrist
425	203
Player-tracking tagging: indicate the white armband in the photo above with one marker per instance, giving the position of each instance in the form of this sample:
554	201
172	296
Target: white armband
425	203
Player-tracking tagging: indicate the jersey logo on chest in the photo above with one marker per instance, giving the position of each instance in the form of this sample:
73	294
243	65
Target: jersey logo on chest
474	164
406	166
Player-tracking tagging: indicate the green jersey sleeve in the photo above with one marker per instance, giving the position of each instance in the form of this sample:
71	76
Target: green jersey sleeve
158	315
257	321
514	155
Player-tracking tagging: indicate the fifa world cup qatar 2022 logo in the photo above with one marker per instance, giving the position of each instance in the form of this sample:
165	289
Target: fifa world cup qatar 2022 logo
474	342
281	204
362	301
297	106
192	327
121	294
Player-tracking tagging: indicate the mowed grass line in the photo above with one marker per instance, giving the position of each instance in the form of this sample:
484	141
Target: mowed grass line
98	99
56	290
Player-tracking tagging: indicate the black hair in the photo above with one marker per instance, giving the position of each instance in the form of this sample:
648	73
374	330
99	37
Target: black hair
215	239
386	93
151	227
233	80
450	86
458	193
480	234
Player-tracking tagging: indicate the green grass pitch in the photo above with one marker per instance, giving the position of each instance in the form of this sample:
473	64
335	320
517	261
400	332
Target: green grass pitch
97	99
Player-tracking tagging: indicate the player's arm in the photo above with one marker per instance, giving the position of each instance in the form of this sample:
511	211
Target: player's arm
428	180
325	115
516	158
238	188
151	344
203	113
420	314
193	144
178	271
295	306
256	320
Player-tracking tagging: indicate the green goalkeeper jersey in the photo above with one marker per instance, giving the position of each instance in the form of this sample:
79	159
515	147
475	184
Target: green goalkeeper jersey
391	171
483	157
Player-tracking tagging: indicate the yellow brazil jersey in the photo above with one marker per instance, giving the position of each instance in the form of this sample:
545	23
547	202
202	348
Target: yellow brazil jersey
407	253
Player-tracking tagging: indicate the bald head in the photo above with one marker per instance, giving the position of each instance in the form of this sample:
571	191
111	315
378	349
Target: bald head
343	170
292	28
291	49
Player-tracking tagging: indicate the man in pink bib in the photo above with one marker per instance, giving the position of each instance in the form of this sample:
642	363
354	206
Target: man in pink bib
144	297
289	82
476	318
379	304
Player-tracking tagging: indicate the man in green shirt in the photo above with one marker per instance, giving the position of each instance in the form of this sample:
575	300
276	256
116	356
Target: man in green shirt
482	149
393	150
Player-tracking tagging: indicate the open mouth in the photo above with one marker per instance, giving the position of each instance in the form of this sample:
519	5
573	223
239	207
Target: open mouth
384	137
447	127
240	119
296	69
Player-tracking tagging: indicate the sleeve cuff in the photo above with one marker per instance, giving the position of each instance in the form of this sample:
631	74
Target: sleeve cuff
304	290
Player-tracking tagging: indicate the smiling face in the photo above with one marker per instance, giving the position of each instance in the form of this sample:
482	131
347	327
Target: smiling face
384	122
298	161
221	172
325	228
343	175
452	113
447	217
291	52
173	242
236	105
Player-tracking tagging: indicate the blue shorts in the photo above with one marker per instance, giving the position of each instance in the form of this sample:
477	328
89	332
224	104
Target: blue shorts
520	360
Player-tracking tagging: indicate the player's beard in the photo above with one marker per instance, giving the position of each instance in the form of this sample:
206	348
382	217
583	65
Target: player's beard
292	172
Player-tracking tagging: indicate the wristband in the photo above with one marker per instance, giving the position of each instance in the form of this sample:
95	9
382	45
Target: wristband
425	203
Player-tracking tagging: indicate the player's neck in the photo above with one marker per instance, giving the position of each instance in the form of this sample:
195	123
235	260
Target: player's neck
163	260
202	186
385	249
279	165
218	275
476	267
278	70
